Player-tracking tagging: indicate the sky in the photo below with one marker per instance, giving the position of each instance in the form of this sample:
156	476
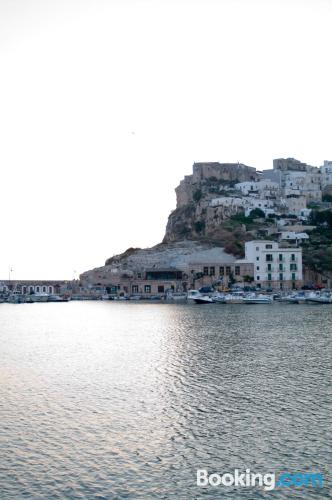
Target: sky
105	105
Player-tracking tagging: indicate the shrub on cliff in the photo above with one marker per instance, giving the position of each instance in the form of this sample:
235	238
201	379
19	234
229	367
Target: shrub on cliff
199	226
197	196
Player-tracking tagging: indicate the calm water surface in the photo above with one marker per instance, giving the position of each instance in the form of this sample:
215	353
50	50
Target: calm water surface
127	400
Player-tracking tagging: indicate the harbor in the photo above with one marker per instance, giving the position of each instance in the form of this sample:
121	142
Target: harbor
141	394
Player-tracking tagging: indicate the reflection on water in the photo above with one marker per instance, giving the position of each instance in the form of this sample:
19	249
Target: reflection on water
113	400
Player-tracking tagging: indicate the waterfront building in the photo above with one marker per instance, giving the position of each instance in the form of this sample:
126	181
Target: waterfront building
38	286
275	266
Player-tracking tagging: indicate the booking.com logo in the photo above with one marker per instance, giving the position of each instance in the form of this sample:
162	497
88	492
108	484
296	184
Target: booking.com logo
268	481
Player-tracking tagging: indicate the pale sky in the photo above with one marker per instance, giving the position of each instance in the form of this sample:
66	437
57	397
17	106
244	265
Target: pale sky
105	105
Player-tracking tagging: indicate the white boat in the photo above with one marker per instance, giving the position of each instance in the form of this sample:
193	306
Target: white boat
16	298
219	298
254	298
321	298
38	297
234	298
203	299
176	296
199	298
192	294
294	298
135	297
105	296
57	298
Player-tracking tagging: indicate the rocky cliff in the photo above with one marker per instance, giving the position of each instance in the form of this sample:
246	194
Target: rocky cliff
195	230
193	217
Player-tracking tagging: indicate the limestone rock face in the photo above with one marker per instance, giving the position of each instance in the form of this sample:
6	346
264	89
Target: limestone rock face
177	255
194	229
193	217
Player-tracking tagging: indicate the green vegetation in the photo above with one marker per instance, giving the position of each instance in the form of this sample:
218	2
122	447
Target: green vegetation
257	213
317	253
199	226
197	196
321	218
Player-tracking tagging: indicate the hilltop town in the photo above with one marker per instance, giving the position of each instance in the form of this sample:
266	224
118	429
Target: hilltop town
233	223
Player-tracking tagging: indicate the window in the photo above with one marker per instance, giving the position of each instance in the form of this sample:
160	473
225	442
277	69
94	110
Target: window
280	257
237	270
147	288
268	247
37	289
228	271
139	275
161	289
293	267
269	267
257	278
280	267
212	271
221	271
205	271
281	276
257	258
293	256
269	277
293	277
44	289
269	257
134	288
257	268
257	249
49	289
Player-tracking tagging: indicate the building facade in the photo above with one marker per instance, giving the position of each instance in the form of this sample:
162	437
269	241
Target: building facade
275	266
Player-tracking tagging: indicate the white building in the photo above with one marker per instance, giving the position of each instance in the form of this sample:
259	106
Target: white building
296	178
326	174
293	236
264	188
274	266
227	201
267	206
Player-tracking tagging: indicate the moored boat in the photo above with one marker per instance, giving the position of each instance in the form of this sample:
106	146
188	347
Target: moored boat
58	298
38	297
234	298
321	298
257	299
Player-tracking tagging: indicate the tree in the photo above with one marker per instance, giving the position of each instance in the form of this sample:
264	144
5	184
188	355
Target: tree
199	226
257	213
197	196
